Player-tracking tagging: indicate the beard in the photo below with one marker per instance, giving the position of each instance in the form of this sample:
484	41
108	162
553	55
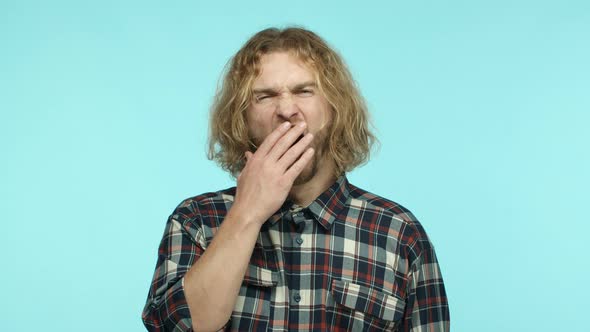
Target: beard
320	145
309	171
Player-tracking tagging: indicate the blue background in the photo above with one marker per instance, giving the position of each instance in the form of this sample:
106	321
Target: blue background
482	109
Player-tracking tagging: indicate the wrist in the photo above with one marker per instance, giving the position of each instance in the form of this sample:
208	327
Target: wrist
244	216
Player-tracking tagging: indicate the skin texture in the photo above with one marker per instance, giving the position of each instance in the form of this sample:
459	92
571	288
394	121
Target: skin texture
286	105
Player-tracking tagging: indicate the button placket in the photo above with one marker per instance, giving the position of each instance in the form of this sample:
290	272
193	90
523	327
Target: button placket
299	220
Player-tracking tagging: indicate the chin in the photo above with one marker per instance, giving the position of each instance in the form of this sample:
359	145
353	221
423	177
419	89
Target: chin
303	178
308	172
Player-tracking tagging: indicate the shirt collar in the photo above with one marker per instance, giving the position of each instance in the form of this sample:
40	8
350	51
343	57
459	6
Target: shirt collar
325	208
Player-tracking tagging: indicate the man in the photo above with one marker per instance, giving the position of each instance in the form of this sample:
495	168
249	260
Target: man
293	246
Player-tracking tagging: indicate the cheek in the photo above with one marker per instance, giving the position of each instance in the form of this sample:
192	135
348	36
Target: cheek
257	122
319	111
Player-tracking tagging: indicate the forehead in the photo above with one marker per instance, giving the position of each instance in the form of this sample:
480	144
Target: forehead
280	69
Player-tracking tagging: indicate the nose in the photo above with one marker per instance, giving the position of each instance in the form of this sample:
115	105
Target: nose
286	107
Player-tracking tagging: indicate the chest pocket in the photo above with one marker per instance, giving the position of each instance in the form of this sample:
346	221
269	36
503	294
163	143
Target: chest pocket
252	309
360	308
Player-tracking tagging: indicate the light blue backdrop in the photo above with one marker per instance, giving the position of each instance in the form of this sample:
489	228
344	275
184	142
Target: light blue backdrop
482	108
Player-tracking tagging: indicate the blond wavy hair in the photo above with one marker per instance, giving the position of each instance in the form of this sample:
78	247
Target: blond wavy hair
349	137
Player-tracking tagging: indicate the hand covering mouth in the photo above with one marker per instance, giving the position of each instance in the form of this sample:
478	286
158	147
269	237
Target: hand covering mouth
298	139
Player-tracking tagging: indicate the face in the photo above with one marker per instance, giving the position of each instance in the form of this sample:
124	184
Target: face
286	90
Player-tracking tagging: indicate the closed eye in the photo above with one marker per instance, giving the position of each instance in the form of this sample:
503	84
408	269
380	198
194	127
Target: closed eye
262	98
305	93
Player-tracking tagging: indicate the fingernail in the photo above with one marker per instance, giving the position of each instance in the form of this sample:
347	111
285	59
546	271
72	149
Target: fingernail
286	125
301	124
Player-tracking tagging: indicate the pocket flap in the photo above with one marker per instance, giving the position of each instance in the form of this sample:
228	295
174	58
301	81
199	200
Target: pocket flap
368	300
259	276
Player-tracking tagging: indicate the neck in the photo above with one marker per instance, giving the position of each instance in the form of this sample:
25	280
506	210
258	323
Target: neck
305	193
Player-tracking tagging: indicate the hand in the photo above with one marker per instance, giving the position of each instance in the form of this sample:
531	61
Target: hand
267	177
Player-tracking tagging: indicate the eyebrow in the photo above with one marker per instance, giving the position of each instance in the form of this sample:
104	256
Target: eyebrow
294	88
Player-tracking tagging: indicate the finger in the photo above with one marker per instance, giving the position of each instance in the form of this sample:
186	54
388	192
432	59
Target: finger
295	151
295	169
248	155
285	142
273	137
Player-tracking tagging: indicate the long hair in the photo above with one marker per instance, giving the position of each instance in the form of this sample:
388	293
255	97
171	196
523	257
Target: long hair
349	139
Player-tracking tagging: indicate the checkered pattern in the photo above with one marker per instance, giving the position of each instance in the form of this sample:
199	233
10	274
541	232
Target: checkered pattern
351	261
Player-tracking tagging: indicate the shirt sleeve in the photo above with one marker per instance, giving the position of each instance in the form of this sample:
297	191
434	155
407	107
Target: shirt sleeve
166	308
426	306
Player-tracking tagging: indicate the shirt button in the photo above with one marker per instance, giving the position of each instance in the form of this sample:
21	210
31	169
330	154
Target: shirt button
297	297
299	240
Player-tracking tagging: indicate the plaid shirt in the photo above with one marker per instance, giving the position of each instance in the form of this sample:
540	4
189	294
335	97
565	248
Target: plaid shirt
351	261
